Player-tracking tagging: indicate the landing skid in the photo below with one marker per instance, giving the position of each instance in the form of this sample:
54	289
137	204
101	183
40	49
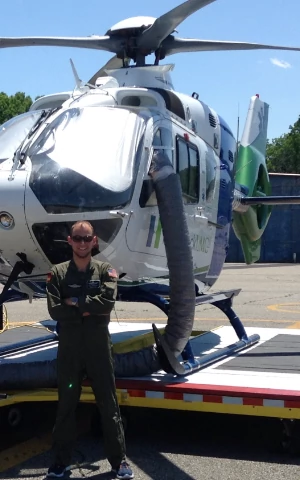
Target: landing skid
171	364
22	265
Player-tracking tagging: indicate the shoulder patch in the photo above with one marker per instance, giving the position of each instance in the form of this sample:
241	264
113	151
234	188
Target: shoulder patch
112	273
49	277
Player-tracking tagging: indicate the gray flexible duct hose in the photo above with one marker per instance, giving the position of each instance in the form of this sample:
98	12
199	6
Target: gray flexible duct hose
178	250
180	263
137	364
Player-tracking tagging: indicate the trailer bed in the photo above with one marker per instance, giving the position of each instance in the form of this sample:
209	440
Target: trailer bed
263	380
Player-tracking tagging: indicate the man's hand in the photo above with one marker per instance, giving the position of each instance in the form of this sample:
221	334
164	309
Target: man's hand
85	314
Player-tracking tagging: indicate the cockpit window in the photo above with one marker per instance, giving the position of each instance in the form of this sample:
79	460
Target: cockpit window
99	143
86	159
14	131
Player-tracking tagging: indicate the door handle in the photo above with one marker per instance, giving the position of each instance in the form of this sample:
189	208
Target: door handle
119	213
201	219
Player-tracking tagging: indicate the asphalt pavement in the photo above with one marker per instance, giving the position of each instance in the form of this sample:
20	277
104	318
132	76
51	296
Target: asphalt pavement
269	297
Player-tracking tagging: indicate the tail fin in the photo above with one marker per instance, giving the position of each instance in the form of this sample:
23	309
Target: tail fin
251	172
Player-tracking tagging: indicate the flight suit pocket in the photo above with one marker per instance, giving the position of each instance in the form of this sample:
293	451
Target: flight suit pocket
93	287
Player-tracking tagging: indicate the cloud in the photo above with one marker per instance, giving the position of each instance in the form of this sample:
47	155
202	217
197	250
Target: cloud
280	63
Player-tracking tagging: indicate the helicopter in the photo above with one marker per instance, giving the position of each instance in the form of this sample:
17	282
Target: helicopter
158	174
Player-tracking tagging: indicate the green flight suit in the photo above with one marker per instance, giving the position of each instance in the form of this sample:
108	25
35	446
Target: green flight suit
85	348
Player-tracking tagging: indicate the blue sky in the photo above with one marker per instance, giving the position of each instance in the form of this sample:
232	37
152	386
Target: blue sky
224	80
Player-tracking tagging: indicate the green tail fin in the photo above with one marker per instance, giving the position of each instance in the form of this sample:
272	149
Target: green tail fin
251	172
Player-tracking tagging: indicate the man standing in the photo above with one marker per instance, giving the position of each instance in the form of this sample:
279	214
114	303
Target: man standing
81	294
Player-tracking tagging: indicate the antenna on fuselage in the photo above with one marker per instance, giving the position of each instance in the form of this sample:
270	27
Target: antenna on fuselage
237	139
80	85
238	131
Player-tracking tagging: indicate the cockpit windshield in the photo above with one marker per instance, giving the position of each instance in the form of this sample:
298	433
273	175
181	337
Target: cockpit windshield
14	131
86	159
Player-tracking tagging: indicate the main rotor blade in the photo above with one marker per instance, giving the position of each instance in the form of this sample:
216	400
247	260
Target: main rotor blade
178	45
114	62
96	42
151	38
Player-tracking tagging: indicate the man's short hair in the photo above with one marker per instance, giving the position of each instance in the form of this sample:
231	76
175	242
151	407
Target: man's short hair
81	222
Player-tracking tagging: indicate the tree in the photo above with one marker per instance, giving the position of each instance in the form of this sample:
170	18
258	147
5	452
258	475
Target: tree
13	105
283	153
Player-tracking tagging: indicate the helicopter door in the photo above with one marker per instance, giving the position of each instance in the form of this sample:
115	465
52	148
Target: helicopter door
144	231
190	155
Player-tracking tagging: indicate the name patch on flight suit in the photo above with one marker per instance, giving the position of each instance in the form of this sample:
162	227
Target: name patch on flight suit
93	284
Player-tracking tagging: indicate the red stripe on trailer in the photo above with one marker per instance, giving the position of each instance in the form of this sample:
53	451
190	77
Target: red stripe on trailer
255	401
136	393
213	398
247	401
291	404
173	396
219	390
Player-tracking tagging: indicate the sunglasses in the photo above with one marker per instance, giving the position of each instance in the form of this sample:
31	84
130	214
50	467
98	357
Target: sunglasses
85	238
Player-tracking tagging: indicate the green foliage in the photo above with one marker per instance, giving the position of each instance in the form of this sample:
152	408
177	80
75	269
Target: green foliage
283	153
13	105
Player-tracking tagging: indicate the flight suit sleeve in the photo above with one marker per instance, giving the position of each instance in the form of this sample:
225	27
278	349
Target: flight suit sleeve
58	310
103	303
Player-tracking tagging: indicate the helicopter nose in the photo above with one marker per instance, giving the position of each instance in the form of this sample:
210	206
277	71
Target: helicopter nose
14	233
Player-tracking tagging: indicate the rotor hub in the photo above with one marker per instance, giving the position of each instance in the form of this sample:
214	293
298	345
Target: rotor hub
128	26
130	30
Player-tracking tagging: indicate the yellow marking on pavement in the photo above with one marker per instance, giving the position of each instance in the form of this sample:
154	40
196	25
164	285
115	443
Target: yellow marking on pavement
295	325
284	307
24	323
21	452
24	451
14	325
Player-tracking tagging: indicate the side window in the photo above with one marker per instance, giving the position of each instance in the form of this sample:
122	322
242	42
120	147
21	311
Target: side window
162	140
183	165
194	174
188	169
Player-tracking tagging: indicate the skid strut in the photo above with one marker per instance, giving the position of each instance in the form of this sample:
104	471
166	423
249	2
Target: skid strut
1	317
22	265
191	364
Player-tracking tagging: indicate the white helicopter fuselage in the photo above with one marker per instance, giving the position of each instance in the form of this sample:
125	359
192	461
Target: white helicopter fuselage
90	160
